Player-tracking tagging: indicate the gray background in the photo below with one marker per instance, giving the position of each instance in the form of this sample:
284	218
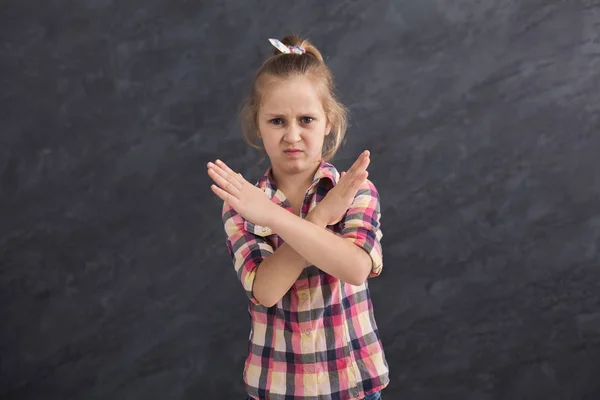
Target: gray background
483	121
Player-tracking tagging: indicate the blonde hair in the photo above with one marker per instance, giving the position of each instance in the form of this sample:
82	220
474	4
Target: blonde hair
311	65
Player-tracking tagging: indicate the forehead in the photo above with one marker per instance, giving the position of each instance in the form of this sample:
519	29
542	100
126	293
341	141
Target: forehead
291	94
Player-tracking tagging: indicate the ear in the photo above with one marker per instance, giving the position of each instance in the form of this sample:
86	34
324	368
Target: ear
328	128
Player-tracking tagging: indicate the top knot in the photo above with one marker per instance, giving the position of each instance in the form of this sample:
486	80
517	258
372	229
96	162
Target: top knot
287	49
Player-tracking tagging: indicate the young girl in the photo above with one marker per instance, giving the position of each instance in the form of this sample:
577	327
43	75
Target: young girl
304	239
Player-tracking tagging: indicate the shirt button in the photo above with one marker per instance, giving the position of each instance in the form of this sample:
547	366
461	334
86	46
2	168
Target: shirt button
264	230
310	368
303	296
306	332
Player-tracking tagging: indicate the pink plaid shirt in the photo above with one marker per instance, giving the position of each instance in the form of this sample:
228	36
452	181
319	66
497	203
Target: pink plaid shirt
320	341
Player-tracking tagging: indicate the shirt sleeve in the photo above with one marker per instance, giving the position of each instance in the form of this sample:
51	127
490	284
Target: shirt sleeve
246	249
362	226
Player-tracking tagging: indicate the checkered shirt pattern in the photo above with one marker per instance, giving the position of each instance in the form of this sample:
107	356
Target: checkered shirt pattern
320	341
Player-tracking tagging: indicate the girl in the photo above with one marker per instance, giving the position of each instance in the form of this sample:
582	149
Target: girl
304	239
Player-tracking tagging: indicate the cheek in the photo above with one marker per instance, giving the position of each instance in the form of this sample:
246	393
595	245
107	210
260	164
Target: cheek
269	138
325	129
264	131
316	138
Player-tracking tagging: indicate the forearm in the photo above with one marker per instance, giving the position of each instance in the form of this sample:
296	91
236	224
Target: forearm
276	274
325	250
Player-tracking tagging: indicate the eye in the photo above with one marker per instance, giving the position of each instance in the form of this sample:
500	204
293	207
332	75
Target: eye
276	121
306	120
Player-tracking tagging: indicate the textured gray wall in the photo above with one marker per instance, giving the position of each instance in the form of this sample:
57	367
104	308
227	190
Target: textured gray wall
483	121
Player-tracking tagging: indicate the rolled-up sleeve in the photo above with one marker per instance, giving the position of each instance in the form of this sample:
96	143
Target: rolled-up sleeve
362	225
246	249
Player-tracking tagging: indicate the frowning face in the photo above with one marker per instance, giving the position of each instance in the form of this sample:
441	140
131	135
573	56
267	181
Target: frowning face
292	124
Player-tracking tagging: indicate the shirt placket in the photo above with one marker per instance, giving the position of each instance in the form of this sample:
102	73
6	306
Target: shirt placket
306	324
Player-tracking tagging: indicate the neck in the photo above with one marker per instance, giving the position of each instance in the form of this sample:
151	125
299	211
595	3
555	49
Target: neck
294	183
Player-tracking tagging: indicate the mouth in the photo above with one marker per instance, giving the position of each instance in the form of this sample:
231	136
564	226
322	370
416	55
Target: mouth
292	151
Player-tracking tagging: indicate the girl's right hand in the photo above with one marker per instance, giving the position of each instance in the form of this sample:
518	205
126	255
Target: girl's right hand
246	199
334	205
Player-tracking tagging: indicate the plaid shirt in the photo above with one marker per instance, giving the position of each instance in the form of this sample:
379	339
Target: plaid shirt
320	341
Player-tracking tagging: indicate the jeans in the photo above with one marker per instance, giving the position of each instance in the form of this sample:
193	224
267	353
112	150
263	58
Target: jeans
374	396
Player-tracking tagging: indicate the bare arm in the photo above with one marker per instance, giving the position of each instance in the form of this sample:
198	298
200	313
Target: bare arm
351	257
266	274
278	272
325	250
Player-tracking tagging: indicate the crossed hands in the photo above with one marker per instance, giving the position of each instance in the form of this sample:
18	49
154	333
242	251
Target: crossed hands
253	204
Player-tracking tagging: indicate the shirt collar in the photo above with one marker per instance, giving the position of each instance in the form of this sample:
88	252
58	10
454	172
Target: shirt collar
325	171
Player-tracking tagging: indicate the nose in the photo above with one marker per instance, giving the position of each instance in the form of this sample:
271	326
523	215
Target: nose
293	133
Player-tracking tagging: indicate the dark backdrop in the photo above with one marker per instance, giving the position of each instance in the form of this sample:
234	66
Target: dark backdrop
483	121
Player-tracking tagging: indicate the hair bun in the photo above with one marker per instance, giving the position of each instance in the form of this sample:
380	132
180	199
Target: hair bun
295	40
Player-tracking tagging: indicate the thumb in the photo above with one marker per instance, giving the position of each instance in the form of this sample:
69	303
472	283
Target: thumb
342	175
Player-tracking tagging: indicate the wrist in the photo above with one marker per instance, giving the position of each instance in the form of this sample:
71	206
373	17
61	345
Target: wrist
276	216
314	217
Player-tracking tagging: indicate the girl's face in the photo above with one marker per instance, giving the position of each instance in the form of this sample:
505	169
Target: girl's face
292	125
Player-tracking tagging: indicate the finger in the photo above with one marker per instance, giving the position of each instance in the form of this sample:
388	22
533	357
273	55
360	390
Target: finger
355	164
367	161
223	195
360	178
238	177
364	178
355	184
232	178
222	181
342	175
358	164
350	189
356	173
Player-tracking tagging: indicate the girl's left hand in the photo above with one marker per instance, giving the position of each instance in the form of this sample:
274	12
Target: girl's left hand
337	201
246	199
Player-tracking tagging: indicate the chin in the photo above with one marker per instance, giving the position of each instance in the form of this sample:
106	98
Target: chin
293	166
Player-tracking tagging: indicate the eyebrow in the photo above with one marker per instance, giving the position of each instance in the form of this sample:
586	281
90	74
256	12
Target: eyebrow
283	115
